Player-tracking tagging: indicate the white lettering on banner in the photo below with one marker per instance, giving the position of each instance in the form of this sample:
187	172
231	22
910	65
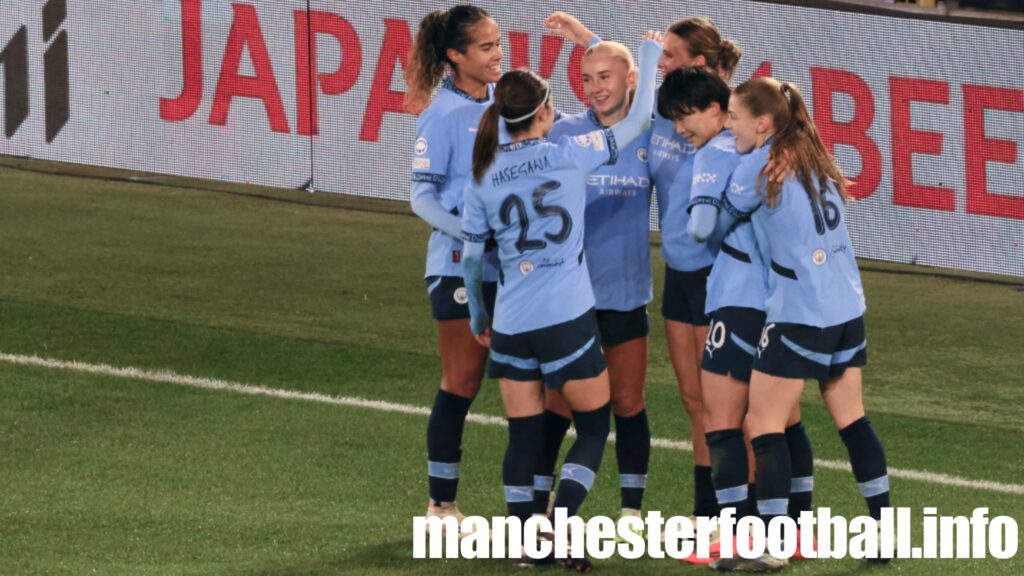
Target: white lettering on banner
933	138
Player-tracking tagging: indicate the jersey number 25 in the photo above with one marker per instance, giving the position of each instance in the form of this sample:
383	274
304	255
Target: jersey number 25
514	202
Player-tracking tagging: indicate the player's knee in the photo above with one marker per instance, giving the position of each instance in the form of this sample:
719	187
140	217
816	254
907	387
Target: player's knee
765	421
464	386
553	402
627	403
693	401
559	408
724	418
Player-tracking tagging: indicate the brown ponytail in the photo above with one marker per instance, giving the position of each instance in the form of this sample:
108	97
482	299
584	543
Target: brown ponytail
426	67
428	62
486	144
800	139
515	96
797	143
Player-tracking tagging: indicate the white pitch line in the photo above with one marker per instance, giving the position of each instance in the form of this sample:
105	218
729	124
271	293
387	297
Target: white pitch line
168	377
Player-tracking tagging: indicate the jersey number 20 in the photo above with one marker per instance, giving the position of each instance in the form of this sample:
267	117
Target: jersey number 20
513	202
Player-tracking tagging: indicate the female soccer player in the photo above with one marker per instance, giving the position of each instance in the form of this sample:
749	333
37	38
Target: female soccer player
815	302
698	100
459	48
617	249
531	195
688	43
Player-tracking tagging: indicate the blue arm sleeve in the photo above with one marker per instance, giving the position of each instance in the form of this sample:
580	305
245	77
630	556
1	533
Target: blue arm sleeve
427	205
703	220
473	275
639	118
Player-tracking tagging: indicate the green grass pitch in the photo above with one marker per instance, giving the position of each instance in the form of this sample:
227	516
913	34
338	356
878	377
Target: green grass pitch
121	476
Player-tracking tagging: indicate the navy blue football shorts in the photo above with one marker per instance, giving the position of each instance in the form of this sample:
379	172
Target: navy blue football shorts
449	300
555	354
799	351
619	327
685	295
732	342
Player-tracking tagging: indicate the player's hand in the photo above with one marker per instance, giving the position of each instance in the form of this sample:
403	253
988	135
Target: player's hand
567	26
782	167
484	339
654	35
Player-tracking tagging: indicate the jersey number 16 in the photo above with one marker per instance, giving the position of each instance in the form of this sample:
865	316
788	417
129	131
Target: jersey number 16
825	213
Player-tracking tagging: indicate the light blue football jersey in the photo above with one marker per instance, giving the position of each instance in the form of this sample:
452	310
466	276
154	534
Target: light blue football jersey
443	156
534	199
713	164
617	241
671	164
813	277
738	277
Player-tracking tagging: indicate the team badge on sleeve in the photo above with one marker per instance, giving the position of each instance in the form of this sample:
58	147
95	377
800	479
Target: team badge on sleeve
583	140
421	146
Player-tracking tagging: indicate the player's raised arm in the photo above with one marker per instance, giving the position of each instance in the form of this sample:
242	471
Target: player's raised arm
639	117
567	26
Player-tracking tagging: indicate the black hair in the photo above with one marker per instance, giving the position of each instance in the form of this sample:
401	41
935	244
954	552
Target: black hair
690	90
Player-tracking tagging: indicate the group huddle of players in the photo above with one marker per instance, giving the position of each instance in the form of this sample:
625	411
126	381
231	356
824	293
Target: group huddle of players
539	268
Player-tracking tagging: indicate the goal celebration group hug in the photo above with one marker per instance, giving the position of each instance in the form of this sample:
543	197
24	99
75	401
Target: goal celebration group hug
539	269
